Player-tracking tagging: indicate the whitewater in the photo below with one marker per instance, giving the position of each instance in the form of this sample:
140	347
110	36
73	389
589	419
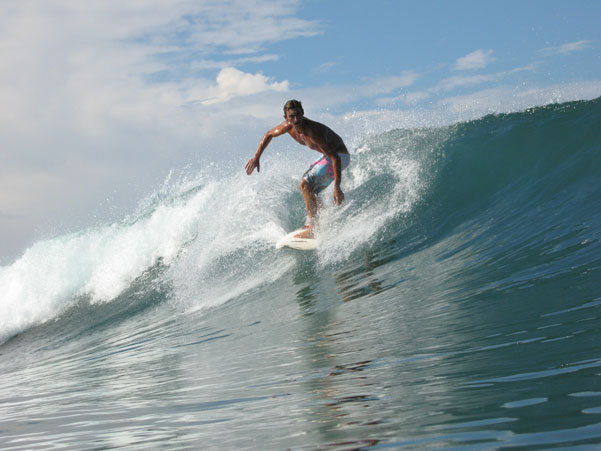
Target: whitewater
454	302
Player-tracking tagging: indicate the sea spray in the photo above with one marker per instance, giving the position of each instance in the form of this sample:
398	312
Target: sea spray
96	264
214	233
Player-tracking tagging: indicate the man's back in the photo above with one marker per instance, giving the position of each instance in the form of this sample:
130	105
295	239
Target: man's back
319	137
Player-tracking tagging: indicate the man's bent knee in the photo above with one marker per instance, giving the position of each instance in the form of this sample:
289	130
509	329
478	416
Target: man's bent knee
304	185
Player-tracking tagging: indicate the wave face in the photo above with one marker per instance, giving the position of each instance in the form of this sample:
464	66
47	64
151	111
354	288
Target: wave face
471	254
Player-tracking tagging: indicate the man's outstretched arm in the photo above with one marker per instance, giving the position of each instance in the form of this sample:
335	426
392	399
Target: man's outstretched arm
254	162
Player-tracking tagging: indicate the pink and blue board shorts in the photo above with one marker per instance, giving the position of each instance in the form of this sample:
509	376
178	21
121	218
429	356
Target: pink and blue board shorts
321	173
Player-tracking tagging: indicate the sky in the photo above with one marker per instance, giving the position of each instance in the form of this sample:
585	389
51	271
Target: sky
101	100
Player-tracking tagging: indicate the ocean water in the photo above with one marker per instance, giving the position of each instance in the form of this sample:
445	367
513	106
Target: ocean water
455	302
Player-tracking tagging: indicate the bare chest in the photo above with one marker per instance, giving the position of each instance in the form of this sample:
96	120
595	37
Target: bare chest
304	139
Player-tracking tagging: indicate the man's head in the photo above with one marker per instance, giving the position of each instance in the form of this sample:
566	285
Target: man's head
293	105
293	111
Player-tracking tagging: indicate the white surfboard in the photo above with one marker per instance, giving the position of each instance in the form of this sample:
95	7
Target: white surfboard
301	244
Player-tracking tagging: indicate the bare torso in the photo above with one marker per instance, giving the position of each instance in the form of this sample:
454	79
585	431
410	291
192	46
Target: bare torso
318	137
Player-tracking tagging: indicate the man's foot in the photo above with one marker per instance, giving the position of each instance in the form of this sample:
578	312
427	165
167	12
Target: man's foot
307	233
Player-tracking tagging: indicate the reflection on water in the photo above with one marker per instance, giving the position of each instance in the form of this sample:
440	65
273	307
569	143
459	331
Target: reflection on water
361	281
342	397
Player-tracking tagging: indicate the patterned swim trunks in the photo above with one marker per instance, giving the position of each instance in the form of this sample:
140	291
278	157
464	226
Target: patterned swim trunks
321	173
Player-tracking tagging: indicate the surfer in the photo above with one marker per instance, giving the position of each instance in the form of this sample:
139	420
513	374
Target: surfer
321	173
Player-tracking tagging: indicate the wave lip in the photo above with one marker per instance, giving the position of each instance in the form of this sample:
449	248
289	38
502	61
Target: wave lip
93	265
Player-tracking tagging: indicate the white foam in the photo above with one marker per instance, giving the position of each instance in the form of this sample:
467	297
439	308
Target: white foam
405	162
96	264
215	236
234	251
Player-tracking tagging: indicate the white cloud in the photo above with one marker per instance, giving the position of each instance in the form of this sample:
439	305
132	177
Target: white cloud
478	59
232	82
242	27
452	83
413	98
410	99
333	96
528	68
99	99
206	64
446	85
389	84
567	48
324	67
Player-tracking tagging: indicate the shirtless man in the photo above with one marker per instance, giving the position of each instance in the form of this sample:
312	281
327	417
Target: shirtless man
321	173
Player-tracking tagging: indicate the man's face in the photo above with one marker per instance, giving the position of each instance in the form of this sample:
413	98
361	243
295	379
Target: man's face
294	116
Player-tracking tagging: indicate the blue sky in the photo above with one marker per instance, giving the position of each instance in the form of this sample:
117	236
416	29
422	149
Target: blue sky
534	42
100	99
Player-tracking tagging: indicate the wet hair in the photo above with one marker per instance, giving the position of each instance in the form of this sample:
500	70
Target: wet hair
292	105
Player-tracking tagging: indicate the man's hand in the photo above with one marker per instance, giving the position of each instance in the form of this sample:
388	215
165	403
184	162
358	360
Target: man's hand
338	195
252	164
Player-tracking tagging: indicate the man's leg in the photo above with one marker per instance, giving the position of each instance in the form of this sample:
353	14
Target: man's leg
312	205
